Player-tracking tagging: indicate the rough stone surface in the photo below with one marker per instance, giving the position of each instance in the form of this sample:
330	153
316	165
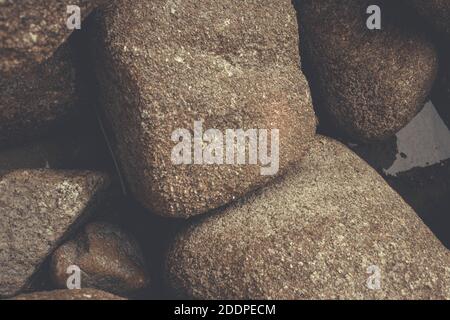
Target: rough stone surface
109	260
38	208
436	12
313	236
233	64
83	294
32	30
37	100
368	83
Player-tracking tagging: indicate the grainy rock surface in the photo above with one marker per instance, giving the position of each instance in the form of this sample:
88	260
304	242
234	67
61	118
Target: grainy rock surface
233	64
108	257
83	294
368	83
436	12
38	208
32	30
36	100
313	236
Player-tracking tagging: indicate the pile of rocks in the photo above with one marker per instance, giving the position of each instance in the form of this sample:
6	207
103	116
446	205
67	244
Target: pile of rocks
70	147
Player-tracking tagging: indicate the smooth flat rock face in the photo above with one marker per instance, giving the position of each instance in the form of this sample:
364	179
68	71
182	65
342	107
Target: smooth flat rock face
322	232
38	208
437	13
232	64
37	100
83	294
108	258
368	83
32	30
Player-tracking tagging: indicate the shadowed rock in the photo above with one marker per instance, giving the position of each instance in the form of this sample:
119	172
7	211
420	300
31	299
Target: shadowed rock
38	208
232	64
314	235
32	30
37	71
39	99
367	83
70	148
436	12
109	260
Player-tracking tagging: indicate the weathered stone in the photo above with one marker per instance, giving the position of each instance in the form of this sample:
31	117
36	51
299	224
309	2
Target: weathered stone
314	235
38	208
37	100
436	12
232	64
109	259
32	30
368	83
84	294
37	72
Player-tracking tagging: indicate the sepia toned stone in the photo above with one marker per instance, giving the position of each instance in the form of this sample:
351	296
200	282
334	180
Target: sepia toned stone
326	231
38	209
368	84
229	64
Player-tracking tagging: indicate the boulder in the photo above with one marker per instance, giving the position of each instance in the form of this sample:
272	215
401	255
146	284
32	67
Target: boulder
37	100
31	31
38	209
228	65
108	257
332	229
368	84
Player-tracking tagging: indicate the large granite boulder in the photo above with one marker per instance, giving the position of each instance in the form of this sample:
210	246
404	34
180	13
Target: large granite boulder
226	64
368	84
333	229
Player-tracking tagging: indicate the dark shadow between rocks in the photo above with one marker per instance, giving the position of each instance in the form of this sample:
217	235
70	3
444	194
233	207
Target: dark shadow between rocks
153	233
325	126
425	187
427	191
